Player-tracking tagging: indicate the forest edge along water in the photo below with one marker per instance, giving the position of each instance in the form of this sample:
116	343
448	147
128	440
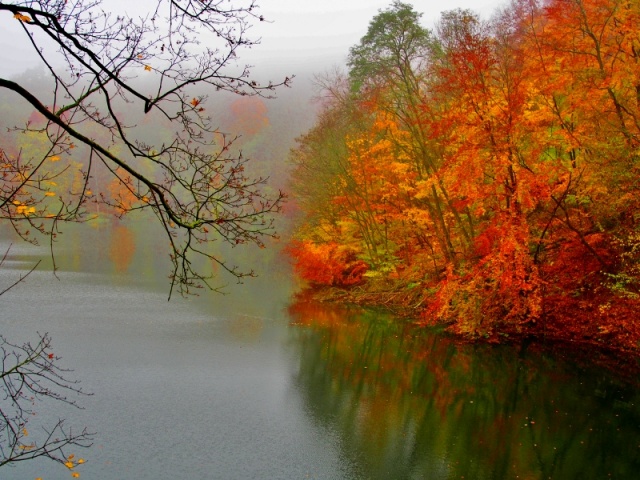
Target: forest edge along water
480	175
258	384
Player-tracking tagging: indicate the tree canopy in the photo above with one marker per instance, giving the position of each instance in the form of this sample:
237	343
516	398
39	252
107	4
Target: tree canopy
394	44
491	178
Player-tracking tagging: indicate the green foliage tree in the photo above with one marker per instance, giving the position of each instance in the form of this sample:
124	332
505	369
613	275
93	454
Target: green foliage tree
393	48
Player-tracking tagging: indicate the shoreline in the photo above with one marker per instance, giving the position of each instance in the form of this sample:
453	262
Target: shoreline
607	351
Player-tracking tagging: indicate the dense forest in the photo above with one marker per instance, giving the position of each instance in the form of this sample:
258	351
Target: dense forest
483	174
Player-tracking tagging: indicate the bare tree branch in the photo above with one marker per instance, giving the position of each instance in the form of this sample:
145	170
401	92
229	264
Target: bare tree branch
30	375
163	64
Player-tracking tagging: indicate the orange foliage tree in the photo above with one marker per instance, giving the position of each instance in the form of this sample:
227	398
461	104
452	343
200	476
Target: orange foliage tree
249	115
501	162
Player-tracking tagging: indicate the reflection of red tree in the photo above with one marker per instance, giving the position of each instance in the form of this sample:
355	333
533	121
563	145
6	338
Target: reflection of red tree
306	311
122	248
249	115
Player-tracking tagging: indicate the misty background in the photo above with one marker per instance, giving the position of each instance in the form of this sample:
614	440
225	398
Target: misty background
301	39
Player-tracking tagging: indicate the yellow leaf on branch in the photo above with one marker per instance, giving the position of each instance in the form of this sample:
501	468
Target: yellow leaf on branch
22	18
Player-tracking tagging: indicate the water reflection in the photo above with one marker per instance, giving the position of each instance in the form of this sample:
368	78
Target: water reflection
203	388
122	247
413	404
192	388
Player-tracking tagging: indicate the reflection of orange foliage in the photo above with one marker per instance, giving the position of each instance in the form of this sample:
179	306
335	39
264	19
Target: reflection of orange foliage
306	311
122	248
393	388
369	348
249	115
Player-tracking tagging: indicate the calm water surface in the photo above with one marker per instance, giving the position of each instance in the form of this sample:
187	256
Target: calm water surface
255	385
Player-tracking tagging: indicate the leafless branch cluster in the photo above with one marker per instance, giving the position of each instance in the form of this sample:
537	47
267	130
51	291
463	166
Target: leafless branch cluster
29	375
108	70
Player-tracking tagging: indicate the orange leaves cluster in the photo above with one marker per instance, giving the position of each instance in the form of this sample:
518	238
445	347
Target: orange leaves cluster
327	263
22	18
25	210
71	463
505	183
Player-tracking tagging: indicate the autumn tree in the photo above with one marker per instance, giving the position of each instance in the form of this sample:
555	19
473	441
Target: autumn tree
393	65
249	115
393	194
320	177
109	69
505	153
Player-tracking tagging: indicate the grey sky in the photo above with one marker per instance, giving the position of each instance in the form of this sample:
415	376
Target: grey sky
299	32
321	32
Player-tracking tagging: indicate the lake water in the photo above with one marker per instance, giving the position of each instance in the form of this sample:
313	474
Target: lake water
257	385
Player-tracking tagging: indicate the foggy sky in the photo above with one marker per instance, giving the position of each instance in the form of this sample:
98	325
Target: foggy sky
321	32
299	34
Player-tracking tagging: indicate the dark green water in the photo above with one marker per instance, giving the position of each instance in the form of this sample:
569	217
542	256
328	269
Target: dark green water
257	385
413	404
